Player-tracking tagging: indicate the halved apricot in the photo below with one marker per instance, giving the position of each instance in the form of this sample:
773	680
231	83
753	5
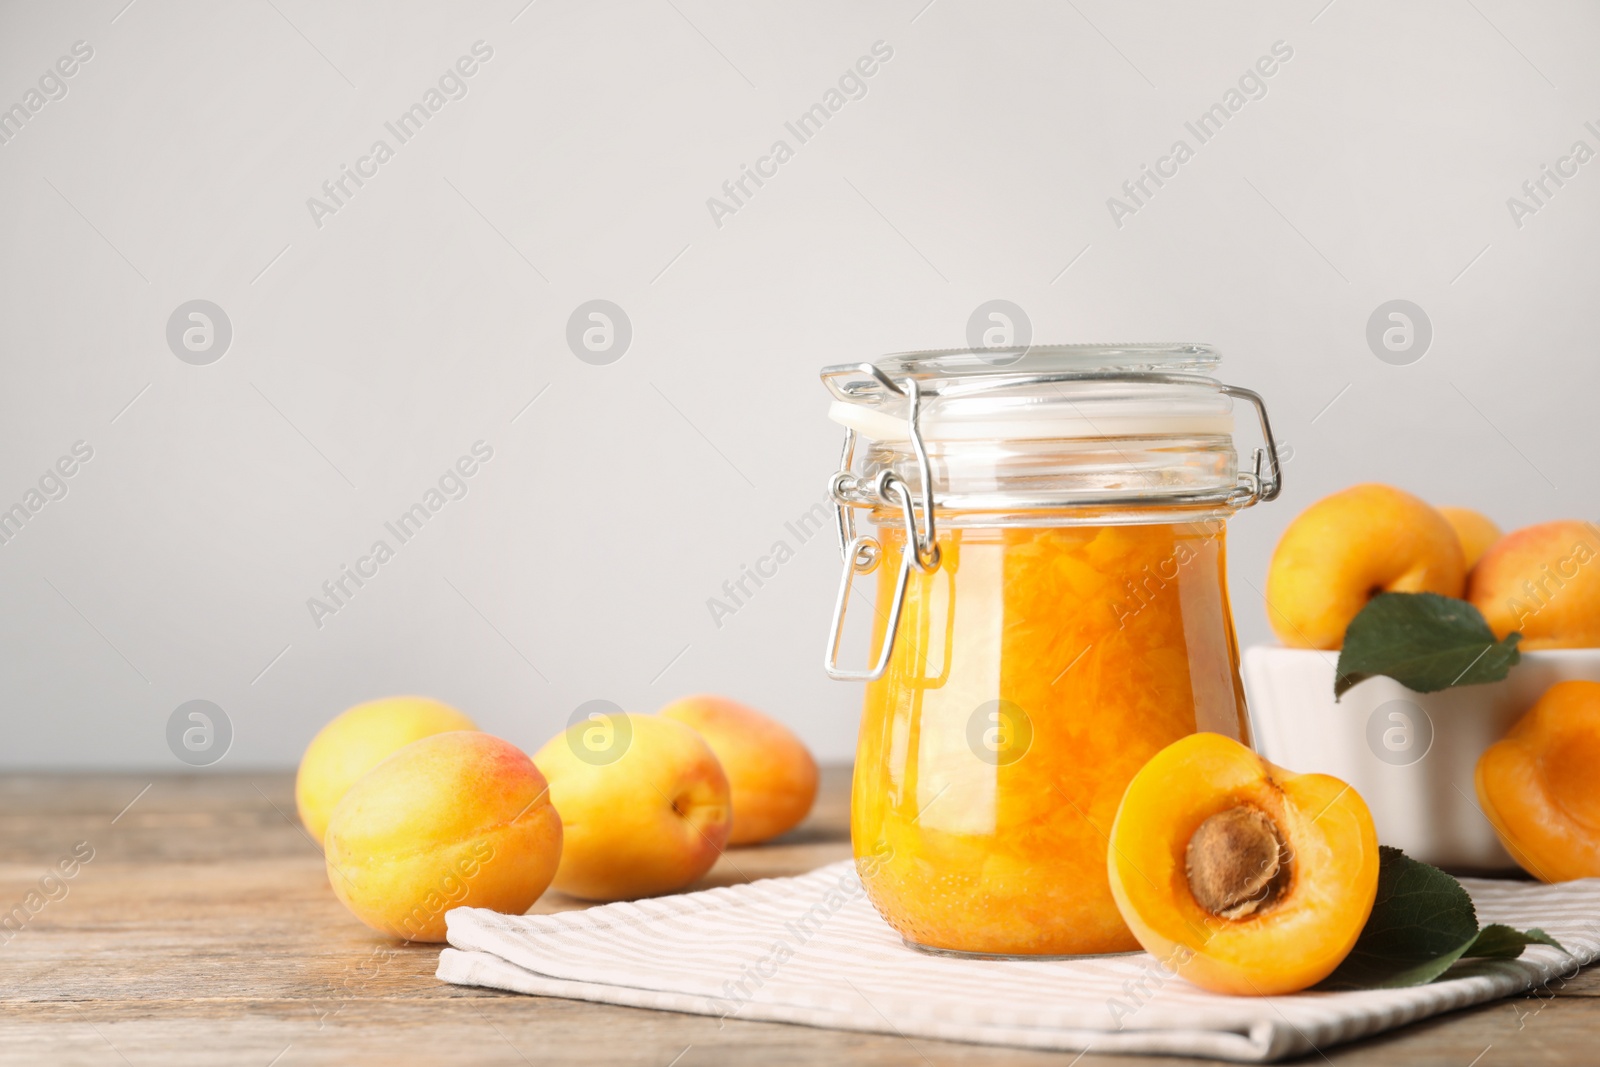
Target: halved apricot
1540	784
1238	875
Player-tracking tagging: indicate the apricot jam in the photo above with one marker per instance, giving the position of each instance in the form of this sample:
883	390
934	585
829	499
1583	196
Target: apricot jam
1051	611
1038	668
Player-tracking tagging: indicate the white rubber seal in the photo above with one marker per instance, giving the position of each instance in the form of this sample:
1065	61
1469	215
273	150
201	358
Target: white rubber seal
1079	421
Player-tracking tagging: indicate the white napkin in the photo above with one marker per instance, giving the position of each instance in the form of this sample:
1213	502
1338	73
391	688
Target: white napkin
812	950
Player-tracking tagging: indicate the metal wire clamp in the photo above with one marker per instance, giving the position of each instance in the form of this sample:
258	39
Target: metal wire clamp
862	552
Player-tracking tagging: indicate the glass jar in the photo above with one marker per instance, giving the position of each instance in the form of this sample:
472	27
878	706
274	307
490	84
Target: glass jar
1052	610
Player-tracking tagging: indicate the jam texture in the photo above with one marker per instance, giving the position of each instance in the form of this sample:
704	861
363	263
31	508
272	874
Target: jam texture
1035	671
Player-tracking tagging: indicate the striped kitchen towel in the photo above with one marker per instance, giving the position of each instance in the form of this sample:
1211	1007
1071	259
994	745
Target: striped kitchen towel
811	950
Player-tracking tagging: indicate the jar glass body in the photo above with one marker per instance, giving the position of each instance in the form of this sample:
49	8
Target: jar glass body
1033	672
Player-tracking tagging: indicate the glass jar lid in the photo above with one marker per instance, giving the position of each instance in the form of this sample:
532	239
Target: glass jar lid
1044	435
1038	393
990	431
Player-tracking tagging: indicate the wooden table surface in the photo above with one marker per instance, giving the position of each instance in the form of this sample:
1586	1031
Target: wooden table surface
203	931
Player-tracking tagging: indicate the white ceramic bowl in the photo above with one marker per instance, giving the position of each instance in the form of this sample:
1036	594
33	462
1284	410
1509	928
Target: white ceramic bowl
1410	755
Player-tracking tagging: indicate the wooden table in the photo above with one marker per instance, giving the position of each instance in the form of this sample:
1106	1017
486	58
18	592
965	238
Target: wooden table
203	932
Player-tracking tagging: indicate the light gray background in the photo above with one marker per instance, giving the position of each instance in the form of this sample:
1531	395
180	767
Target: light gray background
370	353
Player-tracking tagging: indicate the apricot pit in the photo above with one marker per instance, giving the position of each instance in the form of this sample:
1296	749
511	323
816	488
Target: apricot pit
1237	863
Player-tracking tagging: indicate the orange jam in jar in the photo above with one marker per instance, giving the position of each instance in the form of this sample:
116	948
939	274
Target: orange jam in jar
1052	610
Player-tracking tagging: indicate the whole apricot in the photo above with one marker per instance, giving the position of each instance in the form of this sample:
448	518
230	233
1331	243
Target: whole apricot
772	777
1544	582
1540	788
358	740
1240	876
1346	548
645	804
458	819
1475	529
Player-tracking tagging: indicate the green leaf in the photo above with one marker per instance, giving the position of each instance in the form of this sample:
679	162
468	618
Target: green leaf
1503	942
1422	922
1424	641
